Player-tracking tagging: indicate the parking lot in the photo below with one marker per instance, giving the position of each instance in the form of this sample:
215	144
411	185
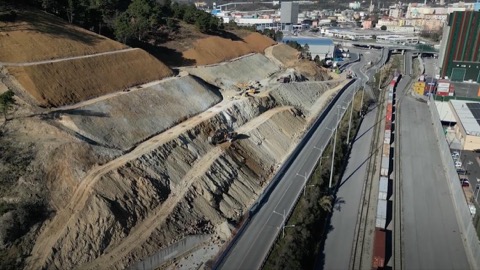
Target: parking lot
471	164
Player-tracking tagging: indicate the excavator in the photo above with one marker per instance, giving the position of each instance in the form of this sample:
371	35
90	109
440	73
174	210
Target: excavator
221	135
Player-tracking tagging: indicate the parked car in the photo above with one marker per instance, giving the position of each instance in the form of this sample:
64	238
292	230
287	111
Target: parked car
465	183
458	164
455	155
461	171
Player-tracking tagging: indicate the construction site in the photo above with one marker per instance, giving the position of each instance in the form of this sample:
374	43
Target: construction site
132	160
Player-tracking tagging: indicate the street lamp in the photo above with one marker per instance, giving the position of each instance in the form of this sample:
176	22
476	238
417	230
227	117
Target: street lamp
283	222
334	146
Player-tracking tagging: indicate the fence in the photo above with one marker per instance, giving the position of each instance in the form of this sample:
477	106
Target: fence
469	235
172	251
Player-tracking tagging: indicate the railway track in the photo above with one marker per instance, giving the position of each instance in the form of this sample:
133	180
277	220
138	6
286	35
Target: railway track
362	241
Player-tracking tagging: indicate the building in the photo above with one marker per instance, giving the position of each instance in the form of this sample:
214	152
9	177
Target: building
323	47
467	117
459	55
289	13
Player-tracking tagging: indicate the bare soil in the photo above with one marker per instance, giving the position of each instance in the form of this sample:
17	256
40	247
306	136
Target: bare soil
36	36
68	82
213	50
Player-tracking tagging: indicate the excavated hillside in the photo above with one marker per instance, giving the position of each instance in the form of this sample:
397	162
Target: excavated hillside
165	104
290	58
122	165
214	50
176	183
36	36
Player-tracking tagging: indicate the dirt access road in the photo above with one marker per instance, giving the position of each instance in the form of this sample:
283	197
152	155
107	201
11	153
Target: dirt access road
24	64
142	231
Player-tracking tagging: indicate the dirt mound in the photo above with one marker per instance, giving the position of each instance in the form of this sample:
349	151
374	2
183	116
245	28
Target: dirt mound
162	105
290	58
213	50
68	82
36	36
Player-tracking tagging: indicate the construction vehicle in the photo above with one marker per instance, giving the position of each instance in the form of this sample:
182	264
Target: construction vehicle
221	135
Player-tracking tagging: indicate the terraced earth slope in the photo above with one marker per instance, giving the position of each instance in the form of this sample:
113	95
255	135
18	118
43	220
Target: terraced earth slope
213	50
122	164
72	81
176	183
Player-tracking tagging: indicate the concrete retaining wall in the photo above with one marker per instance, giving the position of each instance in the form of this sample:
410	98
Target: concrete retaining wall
469	235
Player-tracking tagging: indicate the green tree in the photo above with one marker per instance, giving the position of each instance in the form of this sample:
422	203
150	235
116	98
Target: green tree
190	14
383	27
278	36
123	29
142	17
6	102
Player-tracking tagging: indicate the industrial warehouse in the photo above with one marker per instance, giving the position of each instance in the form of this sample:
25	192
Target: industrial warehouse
467	117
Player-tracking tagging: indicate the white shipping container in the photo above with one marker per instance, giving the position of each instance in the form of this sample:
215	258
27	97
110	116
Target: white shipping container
383	188
380	223
388	133
443	84
382	209
387	141
383	185
384	167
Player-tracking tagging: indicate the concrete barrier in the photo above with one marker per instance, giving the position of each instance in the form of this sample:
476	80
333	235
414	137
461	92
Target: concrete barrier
464	218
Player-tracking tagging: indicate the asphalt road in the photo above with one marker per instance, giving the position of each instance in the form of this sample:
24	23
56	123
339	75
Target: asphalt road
431	235
339	242
253	244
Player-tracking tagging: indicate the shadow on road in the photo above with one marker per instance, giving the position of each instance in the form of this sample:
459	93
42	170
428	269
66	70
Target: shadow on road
359	166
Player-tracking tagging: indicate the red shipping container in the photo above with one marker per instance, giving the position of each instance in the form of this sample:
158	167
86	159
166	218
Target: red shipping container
389	116
388	125
389	108
378	260
444	94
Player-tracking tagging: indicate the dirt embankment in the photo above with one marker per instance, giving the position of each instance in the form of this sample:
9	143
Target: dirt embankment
290	58
214	50
163	105
68	82
36	36
254	67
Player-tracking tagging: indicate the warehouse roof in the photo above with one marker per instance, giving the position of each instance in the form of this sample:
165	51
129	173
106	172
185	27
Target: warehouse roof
445	112
469	114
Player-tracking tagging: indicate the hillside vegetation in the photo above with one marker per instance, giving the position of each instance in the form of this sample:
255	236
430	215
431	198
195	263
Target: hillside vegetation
36	36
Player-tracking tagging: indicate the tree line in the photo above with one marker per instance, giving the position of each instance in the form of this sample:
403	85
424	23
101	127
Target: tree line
129	19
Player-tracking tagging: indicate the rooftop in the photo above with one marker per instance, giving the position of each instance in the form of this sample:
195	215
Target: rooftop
469	114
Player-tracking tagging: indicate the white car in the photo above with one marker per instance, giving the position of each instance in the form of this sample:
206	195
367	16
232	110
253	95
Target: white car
458	164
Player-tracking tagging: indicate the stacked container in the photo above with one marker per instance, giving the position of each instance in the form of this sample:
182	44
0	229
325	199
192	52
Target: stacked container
419	88
383	188
381	221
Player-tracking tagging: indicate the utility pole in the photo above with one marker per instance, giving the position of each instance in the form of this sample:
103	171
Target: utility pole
283	222
350	119
334	145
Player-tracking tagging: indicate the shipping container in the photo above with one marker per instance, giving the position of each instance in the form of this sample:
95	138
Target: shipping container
384	168
379	249
388	134
444	94
388	125
395	79
383	188
389	116
386	150
382	209
422	78
380	223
